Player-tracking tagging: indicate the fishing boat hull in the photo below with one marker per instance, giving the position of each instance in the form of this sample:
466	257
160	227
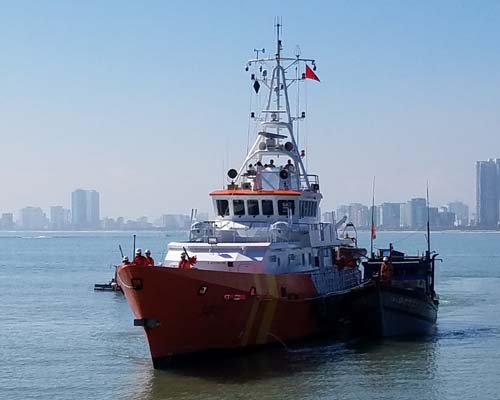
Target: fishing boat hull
385	311
189	311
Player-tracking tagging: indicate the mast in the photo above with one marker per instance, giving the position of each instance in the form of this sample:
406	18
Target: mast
278	57
372	231
276	120
428	225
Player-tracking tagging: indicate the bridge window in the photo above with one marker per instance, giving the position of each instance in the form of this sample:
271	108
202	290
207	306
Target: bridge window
253	207
222	208
239	207
308	209
285	205
267	207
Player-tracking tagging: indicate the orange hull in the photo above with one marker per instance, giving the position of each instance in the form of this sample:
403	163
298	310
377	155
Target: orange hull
187	311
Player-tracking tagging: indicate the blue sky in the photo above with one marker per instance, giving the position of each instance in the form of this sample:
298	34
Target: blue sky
148	102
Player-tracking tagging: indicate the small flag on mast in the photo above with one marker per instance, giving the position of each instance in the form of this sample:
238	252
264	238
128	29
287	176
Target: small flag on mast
310	74
374	232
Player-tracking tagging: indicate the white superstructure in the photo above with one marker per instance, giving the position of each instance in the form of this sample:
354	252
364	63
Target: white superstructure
268	216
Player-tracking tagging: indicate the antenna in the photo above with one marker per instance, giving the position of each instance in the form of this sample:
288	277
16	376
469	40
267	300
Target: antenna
133	252
428	224
373	234
297	51
257	51
279	27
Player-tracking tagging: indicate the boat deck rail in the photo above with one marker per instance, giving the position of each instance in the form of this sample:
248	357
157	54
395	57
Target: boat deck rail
215	231
260	180
313	182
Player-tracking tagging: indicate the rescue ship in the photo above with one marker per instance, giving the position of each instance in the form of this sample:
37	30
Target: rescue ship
255	273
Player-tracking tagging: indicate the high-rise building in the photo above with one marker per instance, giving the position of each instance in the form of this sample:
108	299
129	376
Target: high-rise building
461	212
405	215
487	192
79	208
33	218
341	212
85	213
434	219
59	217
358	214
391	215
446	218
416	213
7	221
175	221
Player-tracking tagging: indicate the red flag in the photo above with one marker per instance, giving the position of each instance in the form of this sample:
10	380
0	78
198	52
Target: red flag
374	232
310	74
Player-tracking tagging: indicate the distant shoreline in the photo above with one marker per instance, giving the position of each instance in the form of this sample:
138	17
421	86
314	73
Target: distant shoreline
478	230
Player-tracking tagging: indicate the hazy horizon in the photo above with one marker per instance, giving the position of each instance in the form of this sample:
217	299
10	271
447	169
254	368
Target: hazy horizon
148	103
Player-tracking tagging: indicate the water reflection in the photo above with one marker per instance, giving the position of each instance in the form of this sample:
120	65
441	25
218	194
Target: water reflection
355	369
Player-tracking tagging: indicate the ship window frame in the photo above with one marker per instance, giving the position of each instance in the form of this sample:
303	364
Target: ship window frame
240	207
266	210
282	210
253	208
221	212
308	208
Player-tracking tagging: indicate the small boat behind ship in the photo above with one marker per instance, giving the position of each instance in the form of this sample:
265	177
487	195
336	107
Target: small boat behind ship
402	304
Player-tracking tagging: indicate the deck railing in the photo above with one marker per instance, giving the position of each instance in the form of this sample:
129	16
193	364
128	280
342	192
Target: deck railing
246	231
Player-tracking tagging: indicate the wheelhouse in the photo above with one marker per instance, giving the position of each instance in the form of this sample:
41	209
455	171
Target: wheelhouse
264	205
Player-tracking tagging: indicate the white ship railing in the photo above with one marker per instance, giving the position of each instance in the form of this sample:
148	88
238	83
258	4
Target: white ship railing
247	231
313	182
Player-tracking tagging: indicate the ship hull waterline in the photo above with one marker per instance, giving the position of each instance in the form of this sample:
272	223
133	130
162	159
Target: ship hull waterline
185	312
384	311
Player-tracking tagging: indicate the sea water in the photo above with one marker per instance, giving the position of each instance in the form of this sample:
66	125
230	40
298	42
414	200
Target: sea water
61	340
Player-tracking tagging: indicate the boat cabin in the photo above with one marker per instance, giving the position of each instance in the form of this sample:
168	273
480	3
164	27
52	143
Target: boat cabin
409	272
251	205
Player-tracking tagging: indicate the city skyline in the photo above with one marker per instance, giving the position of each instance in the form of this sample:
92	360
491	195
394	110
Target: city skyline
85	215
408	93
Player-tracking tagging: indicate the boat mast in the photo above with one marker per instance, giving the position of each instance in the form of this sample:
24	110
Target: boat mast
278	59
372	228
271	117
428	225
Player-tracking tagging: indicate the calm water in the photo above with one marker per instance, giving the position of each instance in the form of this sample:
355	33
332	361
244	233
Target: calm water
61	340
